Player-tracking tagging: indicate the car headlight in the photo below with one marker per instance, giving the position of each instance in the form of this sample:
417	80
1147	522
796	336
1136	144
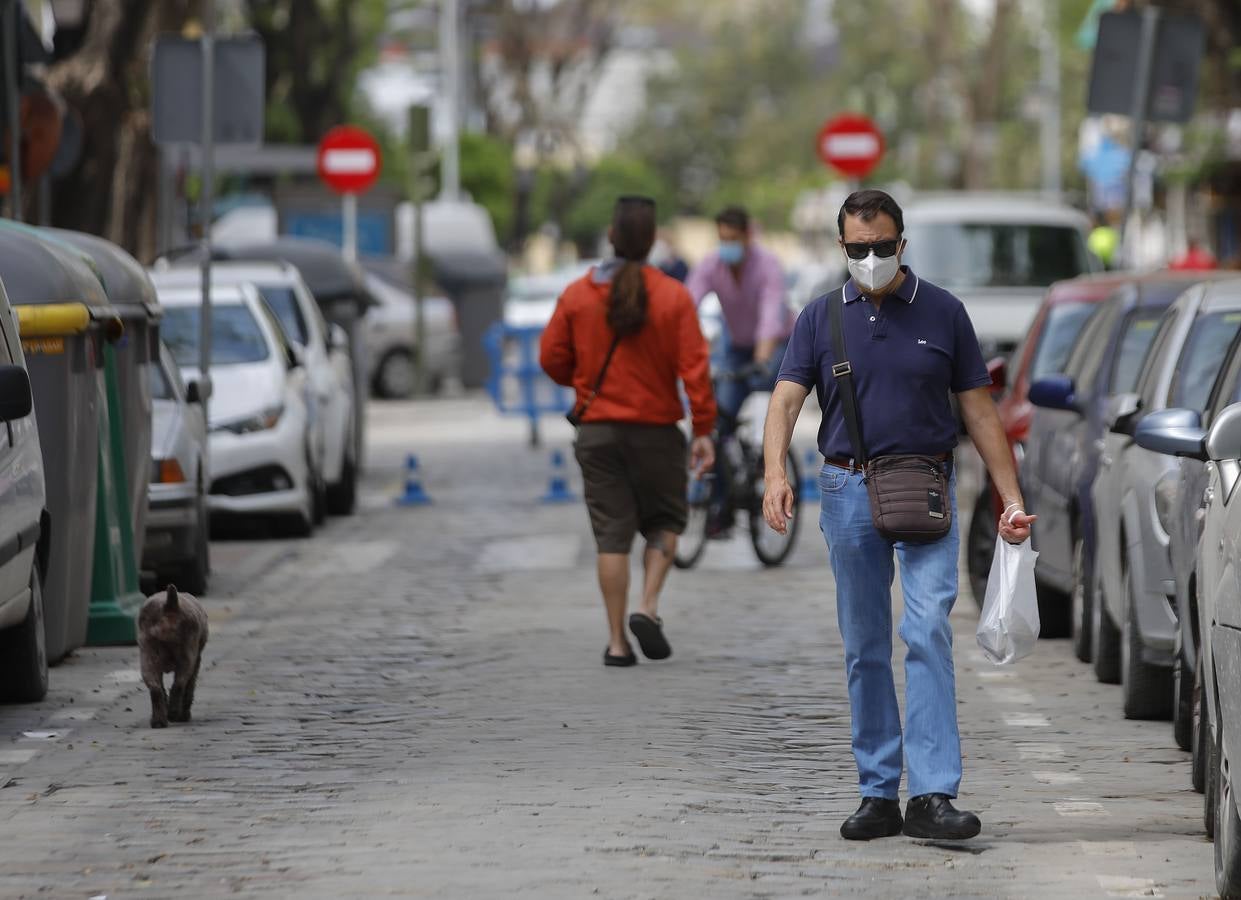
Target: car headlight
1166	493
267	419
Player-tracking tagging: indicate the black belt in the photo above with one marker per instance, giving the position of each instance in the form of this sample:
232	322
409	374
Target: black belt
842	462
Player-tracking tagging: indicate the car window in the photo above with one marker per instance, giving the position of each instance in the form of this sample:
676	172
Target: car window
1203	355
1135	342
6	354
1064	323
235	335
1150	377
1091	345
965	255
283	302
161	386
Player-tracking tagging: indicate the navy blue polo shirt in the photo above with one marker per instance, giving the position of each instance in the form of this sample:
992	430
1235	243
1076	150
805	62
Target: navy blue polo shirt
908	357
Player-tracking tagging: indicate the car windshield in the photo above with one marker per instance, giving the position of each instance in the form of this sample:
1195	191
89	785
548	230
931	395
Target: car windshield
1064	323
161	387
235	335
1135	344
1201	359
283	302
964	255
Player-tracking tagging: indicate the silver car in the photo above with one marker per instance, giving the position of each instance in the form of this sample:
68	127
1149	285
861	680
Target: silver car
390	329
1135	493
177	525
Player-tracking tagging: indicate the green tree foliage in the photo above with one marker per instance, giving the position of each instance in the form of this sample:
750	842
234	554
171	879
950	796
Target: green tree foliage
591	211
487	176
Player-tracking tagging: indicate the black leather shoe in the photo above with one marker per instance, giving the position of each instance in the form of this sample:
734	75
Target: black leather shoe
934	817
875	818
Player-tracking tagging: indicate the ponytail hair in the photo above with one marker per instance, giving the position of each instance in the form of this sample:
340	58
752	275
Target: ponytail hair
632	236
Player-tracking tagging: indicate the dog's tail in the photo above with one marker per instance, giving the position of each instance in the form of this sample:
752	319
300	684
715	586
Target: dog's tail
170	603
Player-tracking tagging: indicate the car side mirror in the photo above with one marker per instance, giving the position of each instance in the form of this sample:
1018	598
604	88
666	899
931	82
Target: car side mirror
1122	413
1055	392
337	337
998	370
198	391
1224	439
1175	432
16	398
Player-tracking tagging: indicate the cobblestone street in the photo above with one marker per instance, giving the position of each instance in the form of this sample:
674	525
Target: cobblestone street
411	704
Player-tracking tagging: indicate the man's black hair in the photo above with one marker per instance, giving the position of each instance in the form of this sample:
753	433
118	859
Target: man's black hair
734	217
866	205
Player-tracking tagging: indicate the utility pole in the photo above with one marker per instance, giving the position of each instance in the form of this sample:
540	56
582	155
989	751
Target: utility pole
12	104
450	72
207	198
1137	119
1049	121
421	161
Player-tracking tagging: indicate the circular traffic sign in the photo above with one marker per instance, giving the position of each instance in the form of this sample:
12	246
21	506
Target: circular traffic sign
349	159
851	144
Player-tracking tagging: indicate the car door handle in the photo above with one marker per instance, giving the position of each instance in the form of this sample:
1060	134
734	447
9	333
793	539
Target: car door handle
1207	496
1100	445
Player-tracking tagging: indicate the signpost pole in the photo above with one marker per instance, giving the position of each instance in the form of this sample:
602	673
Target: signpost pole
1137	118
207	198
349	219
12	106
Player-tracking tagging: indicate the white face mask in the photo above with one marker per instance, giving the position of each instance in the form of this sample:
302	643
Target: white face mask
873	273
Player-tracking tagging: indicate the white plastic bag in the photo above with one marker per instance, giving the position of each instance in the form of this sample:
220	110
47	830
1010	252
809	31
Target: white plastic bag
1008	629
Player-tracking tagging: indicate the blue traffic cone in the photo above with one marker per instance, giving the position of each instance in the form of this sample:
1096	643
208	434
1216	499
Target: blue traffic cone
414	494
809	478
558	486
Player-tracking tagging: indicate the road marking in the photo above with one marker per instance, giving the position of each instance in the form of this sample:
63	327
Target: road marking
1040	751
530	554
1125	886
46	735
1108	848
1081	809
1012	695
73	715
1056	777
996	674
16	757
1025	720
352	558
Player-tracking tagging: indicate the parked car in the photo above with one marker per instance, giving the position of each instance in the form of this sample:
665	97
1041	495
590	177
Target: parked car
531	299
1215	439
1065	443
1134	494
177	549
325	351
999	253
391	333
23	526
1063	314
262	457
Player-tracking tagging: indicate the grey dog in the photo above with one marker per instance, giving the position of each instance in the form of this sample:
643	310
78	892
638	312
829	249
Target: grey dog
172	631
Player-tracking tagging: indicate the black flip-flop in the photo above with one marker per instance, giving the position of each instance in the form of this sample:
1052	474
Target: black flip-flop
623	661
650	635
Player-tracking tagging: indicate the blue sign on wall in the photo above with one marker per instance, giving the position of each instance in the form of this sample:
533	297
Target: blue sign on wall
374	230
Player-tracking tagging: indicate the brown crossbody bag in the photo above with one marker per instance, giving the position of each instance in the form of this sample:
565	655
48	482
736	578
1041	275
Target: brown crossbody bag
908	492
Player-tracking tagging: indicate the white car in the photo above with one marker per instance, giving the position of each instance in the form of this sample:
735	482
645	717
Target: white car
176	548
23	522
390	338
531	299
261	458
999	253
325	349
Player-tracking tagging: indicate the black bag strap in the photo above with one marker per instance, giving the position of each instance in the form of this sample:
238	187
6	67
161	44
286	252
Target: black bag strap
842	371
594	391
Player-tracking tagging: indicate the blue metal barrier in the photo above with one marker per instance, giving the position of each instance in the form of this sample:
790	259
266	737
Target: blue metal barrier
517	383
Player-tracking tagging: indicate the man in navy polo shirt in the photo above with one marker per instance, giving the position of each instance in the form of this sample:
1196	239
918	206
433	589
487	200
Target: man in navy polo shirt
911	346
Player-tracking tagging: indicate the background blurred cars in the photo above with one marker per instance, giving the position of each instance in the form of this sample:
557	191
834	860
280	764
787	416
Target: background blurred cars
998	253
177	549
262	459
530	299
23	549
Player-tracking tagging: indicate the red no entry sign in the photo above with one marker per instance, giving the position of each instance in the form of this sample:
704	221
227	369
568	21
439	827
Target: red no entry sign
851	144
349	160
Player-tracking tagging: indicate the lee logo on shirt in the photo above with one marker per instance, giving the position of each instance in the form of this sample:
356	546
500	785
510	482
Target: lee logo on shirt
921	341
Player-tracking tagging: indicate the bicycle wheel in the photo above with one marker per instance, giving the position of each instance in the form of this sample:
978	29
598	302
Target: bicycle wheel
771	547
693	541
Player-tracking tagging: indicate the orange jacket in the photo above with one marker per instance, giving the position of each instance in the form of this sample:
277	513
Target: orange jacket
641	382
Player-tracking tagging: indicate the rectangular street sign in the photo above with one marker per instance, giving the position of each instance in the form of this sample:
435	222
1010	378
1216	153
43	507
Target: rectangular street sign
177	89
1179	45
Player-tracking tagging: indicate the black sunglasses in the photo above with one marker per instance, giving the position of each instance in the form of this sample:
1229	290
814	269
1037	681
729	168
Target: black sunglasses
883	249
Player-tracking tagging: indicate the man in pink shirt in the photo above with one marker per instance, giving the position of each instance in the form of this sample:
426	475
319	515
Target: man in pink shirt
750	285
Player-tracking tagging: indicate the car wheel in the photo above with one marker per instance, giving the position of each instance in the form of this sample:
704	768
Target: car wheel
1104	638
1145	688
981	544
1183	703
1227	828
396	376
342	497
23	651
1201	734
1053	611
1080	602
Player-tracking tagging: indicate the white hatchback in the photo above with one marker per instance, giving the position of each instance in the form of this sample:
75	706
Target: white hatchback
262	458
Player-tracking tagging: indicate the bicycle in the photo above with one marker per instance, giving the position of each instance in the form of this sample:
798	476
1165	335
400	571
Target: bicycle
740	461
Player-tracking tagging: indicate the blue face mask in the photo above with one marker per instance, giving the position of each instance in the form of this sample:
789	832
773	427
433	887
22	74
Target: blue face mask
732	252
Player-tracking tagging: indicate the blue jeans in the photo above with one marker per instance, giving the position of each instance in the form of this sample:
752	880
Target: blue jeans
730	393
862	563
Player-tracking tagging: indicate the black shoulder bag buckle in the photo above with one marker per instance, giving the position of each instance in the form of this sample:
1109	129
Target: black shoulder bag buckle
575	415
908	493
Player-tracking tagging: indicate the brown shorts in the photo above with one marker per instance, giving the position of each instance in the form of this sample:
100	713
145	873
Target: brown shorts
635	478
